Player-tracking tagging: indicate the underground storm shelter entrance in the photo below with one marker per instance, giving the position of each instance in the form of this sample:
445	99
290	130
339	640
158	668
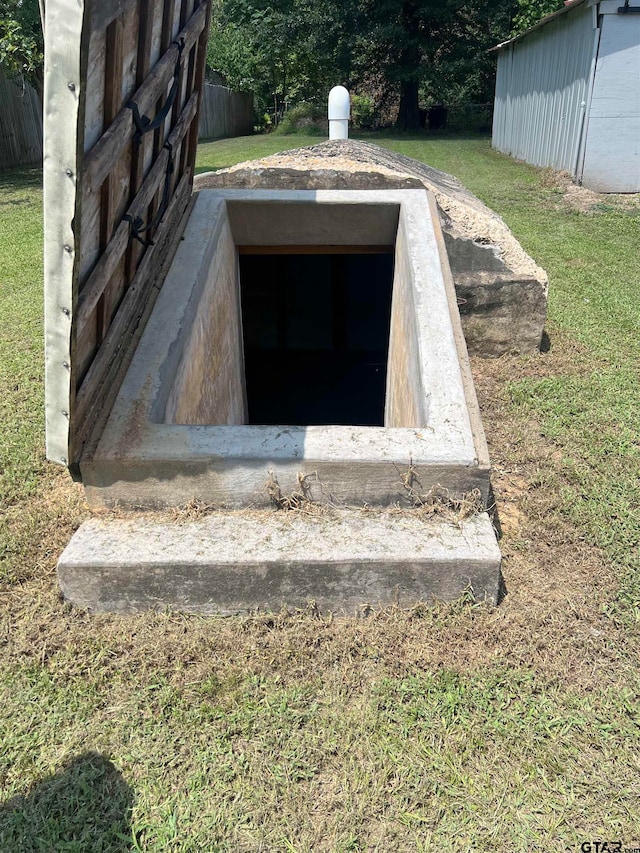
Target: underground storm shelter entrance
296	332
316	334
165	391
300	340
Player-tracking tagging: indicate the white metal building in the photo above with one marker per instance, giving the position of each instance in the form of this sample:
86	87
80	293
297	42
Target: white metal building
568	94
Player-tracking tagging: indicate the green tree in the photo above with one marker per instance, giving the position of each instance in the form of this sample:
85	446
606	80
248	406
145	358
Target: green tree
530	12
437	47
404	51
21	41
284	50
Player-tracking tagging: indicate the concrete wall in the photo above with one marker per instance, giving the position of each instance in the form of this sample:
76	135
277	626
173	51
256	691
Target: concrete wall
143	461
209	385
290	223
404	403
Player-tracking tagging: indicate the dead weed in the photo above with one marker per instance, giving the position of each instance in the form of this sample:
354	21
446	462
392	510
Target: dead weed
571	196
439	501
301	500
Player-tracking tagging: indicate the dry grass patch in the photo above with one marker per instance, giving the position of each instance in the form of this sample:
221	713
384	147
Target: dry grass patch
446	728
552	617
572	197
438	728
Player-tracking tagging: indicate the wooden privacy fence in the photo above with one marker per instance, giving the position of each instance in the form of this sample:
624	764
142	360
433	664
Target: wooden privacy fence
224	112
20	124
122	86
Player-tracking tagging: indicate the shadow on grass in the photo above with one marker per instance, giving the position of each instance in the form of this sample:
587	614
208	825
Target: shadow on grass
85	806
545	343
20	179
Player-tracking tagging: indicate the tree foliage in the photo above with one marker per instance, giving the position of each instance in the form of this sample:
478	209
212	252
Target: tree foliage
282	49
21	41
531	11
434	50
405	51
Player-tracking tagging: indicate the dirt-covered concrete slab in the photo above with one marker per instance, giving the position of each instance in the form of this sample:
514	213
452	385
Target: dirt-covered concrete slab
502	292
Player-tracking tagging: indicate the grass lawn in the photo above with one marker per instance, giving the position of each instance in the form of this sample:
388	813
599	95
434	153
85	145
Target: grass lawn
452	728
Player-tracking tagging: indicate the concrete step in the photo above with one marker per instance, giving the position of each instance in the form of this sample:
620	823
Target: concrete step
230	563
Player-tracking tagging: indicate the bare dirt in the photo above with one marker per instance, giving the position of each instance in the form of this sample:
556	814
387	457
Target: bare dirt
573	197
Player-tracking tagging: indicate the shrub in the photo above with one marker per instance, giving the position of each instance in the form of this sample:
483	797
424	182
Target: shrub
363	113
305	118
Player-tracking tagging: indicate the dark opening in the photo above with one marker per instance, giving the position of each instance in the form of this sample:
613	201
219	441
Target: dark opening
316	337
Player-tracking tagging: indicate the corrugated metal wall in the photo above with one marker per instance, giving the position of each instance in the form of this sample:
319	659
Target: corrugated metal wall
224	112
20	124
541	90
612	149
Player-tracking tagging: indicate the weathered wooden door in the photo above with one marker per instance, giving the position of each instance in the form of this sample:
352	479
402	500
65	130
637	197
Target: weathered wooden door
122	89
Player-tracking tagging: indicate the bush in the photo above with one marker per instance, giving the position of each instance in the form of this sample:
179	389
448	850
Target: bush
305	118
363	113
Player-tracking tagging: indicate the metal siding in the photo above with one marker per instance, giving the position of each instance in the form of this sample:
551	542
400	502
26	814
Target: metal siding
612	151
64	102
541	89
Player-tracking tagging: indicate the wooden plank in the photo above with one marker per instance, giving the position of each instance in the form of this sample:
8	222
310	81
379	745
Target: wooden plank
180	99
181	156
160	134
105	11
198	85
100	159
184	16
167	25
21	125
142	151
165	40
142	148
90	229
100	386
316	250
86	346
94	110
110	259
130	53
112	298
112	104
94	125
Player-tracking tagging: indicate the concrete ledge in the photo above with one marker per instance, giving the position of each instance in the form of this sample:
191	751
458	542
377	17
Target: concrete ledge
145	459
230	563
482	251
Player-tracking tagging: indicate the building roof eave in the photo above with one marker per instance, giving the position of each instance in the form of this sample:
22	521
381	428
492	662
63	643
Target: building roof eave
541	23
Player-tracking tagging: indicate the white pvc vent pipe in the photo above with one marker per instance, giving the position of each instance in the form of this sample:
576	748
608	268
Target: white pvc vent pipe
339	112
